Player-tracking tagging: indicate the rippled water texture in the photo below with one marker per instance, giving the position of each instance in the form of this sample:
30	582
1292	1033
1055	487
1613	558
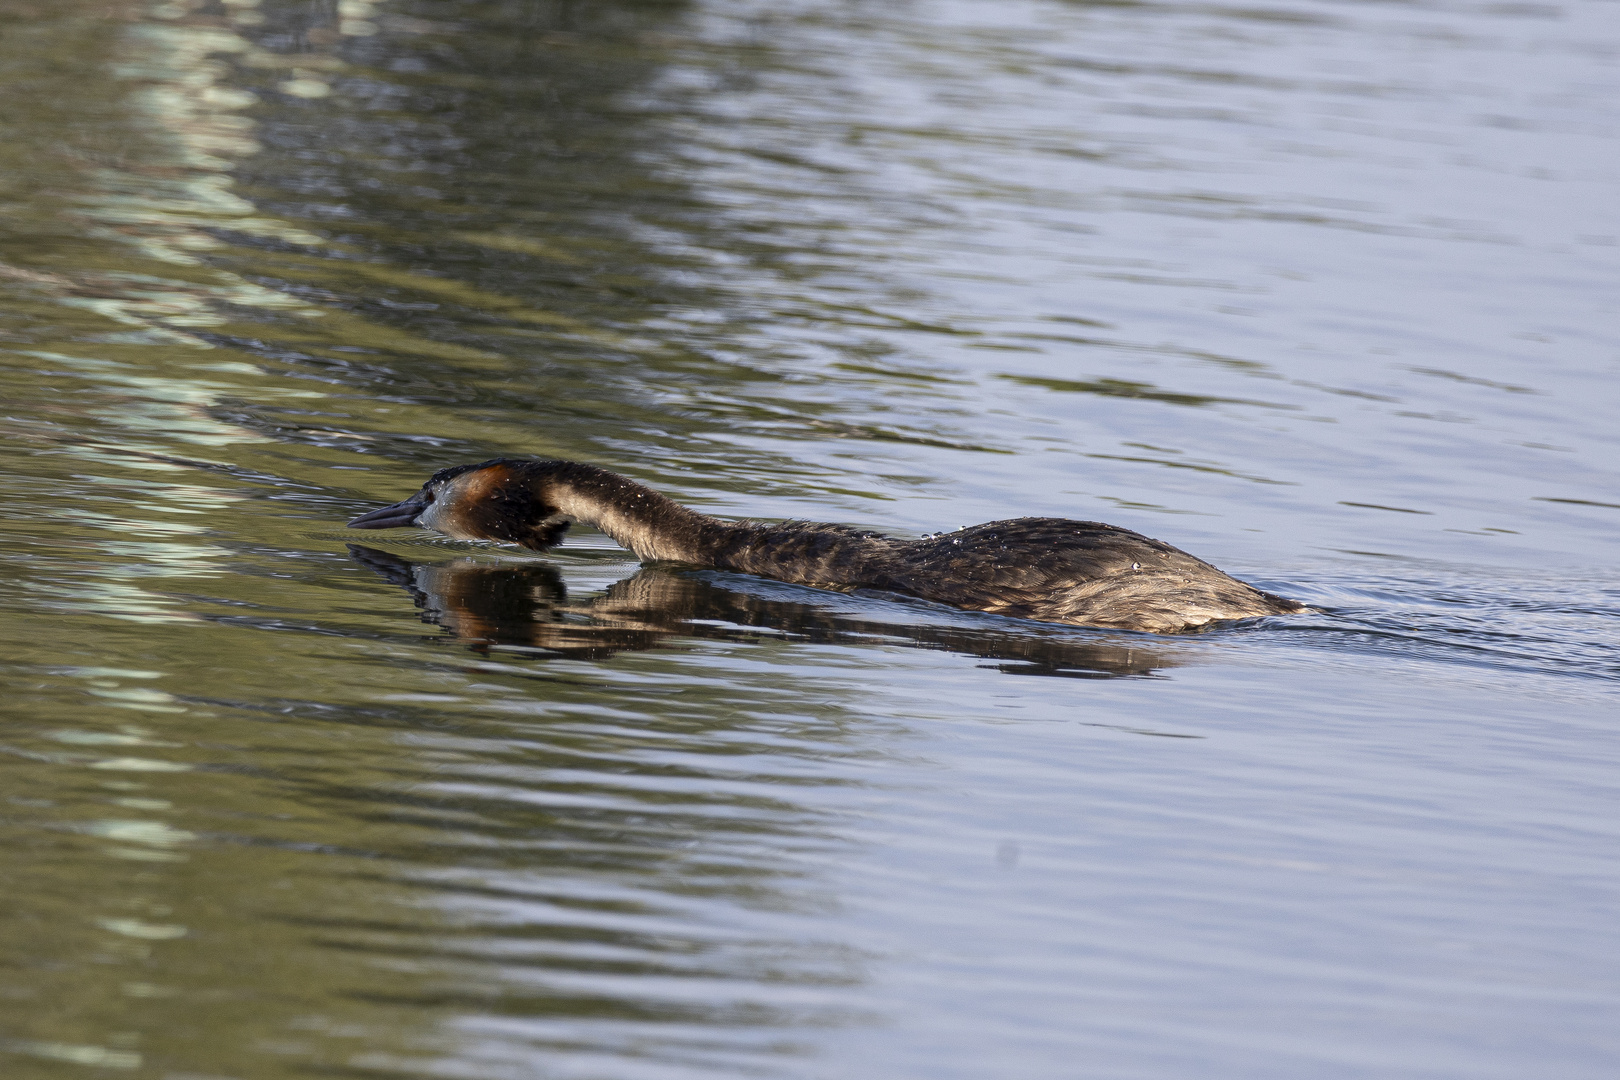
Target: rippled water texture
1324	292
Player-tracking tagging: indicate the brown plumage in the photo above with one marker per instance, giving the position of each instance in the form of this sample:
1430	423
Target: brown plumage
1079	572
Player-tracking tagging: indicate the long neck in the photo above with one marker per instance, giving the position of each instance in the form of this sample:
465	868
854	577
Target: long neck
649	524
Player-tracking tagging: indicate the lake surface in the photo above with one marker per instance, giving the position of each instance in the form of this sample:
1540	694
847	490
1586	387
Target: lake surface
1323	292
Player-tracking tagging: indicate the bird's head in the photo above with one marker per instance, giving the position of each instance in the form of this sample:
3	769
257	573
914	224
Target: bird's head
503	499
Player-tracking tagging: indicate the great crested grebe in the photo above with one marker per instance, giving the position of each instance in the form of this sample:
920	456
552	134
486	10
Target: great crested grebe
1079	572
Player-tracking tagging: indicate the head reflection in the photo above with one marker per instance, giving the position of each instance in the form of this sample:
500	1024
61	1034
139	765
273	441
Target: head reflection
526	605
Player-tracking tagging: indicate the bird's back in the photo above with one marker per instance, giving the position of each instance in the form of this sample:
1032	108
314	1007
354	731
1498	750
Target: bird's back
1082	572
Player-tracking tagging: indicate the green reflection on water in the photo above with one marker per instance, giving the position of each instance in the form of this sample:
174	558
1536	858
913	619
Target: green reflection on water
264	822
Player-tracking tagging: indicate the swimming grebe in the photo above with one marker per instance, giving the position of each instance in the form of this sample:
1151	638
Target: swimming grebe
1079	572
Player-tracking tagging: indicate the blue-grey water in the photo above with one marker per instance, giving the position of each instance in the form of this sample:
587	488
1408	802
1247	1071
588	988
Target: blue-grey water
1323	292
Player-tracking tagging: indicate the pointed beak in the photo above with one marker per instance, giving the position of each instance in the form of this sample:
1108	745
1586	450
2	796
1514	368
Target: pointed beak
397	516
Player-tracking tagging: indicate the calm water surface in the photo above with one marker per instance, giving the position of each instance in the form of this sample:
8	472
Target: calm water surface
1321	291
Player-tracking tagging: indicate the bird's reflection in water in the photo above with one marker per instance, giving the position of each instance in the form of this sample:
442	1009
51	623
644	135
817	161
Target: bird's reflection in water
526	605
